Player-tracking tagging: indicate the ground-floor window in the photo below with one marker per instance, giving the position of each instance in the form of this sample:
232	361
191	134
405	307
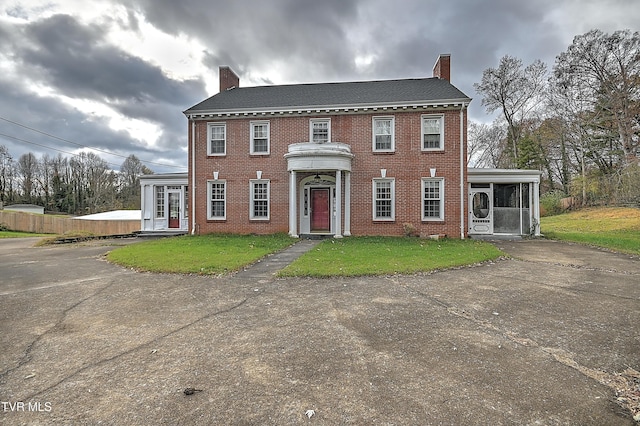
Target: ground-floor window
432	199
217	199
259	205
186	201
160	201
383	199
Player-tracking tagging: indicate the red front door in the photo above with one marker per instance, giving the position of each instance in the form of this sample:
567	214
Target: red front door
174	210
320	210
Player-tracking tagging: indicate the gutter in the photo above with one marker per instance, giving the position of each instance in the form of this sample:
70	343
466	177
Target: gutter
462	166
193	177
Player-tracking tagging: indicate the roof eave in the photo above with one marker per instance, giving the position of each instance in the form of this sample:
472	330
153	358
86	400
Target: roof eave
326	109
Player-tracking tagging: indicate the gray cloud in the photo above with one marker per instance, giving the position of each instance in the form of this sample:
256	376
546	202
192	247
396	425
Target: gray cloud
75	59
58	119
308	35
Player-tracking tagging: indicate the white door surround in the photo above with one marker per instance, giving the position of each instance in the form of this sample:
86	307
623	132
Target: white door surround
326	163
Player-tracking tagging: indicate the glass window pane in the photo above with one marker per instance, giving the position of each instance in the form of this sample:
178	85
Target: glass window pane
383	141
432	125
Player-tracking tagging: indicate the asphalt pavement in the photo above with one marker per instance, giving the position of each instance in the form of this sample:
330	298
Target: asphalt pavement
548	336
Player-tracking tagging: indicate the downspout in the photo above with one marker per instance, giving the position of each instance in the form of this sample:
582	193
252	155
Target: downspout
462	166
193	177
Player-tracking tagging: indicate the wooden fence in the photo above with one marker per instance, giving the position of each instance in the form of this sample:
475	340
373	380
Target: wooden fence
48	224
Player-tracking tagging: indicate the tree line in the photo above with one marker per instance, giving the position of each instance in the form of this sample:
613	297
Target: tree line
81	184
578	123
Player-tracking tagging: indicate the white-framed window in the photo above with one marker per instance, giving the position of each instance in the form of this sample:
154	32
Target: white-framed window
216	139
320	130
432	132
384	134
160	202
259	205
186	201
384	199
216	199
259	137
432	199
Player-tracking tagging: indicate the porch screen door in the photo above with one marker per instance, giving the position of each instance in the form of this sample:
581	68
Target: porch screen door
481	215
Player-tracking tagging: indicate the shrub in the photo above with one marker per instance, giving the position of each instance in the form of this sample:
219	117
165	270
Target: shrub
409	230
550	203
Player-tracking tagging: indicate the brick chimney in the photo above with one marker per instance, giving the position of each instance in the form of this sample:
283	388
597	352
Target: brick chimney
228	79
442	68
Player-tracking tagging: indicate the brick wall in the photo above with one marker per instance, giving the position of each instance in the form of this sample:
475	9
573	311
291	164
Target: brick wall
408	164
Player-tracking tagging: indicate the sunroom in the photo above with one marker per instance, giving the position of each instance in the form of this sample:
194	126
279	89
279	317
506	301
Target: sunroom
503	202
164	203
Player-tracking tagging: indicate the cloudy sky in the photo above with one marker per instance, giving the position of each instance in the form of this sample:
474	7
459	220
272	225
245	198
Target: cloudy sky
115	75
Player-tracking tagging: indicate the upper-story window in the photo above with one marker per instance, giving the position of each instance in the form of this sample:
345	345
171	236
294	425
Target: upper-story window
383	134
217	139
259	137
320	130
432	132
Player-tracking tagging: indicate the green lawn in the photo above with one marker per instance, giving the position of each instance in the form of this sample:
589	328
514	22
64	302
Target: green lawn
205	254
19	234
358	256
353	256
615	228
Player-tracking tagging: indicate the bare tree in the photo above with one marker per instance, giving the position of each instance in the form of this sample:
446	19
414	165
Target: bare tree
516	92
6	176
605	69
486	144
130	172
28	171
101	182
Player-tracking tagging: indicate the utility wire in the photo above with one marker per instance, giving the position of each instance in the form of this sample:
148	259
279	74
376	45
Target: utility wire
48	147
74	143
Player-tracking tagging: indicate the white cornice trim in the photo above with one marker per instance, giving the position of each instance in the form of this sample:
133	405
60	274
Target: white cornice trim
329	109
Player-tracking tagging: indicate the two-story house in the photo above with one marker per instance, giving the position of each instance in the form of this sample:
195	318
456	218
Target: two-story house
355	158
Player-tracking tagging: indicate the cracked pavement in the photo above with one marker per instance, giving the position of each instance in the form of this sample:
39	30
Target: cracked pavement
549	336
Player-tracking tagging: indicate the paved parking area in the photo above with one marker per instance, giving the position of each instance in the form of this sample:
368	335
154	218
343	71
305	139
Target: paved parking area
547	337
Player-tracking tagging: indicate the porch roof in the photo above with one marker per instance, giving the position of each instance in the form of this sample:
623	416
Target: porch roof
482	175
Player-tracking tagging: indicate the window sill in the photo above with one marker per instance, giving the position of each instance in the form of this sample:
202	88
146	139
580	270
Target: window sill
383	152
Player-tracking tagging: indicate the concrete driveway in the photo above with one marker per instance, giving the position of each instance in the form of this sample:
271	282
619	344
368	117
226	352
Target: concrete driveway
550	336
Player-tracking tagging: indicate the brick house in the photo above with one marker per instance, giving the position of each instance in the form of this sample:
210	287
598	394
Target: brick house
337	159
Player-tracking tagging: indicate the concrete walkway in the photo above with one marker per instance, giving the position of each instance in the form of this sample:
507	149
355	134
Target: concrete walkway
265	269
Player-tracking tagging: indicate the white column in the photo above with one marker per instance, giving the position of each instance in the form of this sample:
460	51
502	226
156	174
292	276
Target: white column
535	206
143	206
338	233
347	204
293	205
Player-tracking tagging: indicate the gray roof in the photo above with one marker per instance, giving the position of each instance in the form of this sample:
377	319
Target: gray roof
326	95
